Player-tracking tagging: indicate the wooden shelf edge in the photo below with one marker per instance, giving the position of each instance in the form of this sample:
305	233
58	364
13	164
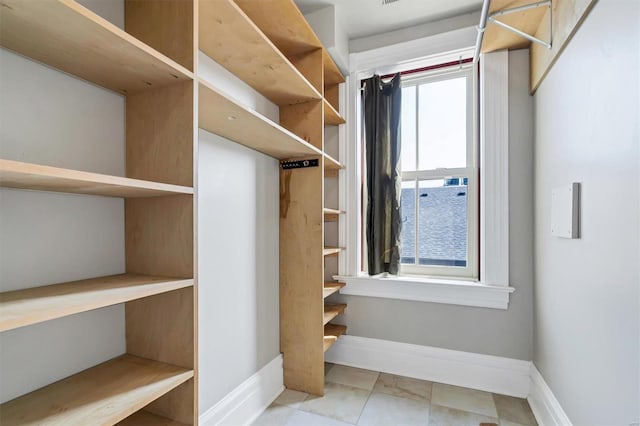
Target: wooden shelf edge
331	163
331	116
145	418
331	334
20	308
222	115
332	215
19	175
66	35
332	311
331	287
104	394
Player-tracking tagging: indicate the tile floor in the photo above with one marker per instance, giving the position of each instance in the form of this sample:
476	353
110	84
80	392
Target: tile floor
362	397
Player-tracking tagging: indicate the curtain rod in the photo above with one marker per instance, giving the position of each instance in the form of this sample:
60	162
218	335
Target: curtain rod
429	68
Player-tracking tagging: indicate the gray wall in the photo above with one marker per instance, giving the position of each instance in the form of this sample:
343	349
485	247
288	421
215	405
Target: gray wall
238	252
587	324
505	333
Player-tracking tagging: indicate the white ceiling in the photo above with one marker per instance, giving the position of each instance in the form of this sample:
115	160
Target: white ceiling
363	18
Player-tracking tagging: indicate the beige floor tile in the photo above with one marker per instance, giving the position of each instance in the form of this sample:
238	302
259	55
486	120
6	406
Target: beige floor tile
274	415
404	387
349	376
291	398
302	418
387	410
514	409
450	416
464	399
340	402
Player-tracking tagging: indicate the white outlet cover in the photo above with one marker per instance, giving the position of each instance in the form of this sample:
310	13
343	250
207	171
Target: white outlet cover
565	211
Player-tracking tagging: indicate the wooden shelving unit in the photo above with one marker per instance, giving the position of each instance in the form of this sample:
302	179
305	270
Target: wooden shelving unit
332	311
155	380
331	334
15	174
330	288
104	394
145	418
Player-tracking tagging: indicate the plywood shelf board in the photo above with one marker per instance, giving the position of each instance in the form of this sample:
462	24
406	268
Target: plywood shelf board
331	334
331	163
101	395
289	31
19	175
331	251
223	116
332	311
332	215
331	116
33	305
67	36
230	38
145	418
331	287
497	38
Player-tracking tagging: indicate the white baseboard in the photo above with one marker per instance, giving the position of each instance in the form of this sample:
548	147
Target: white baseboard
246	402
484	372
543	402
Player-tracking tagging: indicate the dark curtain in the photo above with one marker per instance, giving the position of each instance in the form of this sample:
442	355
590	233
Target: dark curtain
382	151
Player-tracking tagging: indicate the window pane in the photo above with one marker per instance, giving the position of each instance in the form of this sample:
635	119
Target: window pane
442	222
408	129
408	215
443	124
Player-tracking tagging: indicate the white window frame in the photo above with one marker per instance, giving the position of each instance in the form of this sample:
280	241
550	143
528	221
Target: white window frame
470	271
492	290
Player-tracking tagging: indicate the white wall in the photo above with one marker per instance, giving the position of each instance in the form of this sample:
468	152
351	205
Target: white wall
487	331
587	291
238	251
50	118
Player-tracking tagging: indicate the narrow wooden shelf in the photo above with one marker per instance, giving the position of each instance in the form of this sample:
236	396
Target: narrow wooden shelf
331	163
33	305
331	116
331	334
145	418
289	31
104	394
332	311
331	251
223	116
332	215
71	38
497	38
229	37
15	174
331	287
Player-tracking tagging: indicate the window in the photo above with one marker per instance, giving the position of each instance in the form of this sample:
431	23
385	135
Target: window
439	198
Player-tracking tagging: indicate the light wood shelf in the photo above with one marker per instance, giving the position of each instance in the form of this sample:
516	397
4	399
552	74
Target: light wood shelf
331	334
331	164
331	116
290	32
145	418
230	38
33	305
331	287
223	116
332	311
497	38
331	251
332	215
101	395
71	38
16	174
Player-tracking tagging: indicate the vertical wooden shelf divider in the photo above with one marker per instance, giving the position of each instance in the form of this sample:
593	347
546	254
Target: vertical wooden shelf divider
161	138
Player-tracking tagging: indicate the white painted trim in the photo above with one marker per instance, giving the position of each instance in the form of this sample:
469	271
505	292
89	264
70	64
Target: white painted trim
543	402
246	402
494	168
505	376
455	292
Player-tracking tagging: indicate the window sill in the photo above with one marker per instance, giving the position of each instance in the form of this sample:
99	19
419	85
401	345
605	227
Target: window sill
454	292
